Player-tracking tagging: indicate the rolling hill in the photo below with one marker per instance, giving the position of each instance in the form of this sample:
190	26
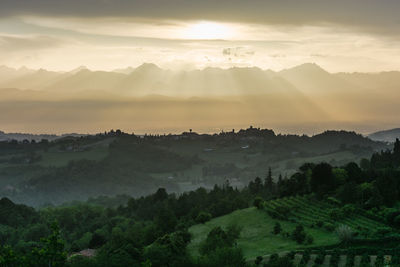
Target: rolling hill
386	136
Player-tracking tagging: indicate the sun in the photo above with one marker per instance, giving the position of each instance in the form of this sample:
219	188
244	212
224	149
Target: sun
207	31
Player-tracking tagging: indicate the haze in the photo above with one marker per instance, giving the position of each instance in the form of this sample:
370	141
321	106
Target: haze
297	68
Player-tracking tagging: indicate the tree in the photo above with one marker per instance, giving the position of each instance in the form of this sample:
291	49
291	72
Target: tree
218	238
277	228
354	172
349	193
8	257
299	234
203	217
258	203
258	260
365	164
51	252
269	182
322	180
345	233
256	186
396	149
169	250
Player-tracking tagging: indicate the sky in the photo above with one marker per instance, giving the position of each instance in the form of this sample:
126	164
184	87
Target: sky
340	35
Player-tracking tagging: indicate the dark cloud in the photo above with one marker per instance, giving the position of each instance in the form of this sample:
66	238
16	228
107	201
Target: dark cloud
368	15
238	52
12	43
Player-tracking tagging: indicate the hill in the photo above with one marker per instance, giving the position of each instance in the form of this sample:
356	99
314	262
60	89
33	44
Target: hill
257	239
77	167
386	136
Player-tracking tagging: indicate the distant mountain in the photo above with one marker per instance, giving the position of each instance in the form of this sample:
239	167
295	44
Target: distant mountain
34	80
7	73
149	79
84	80
37	137
311	77
21	136
386	136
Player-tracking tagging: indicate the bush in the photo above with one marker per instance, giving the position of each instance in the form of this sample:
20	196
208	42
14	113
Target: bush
218	238
345	233
319	224
258	203
298	234
277	228
203	217
258	260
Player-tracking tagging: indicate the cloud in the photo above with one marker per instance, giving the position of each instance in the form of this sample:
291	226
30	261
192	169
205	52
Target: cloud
17	43
238	52
367	15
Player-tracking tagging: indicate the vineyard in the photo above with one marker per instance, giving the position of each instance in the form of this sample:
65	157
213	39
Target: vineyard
313	213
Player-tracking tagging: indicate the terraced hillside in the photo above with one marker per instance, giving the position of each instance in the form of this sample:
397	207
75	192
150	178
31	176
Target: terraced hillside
257	237
308	211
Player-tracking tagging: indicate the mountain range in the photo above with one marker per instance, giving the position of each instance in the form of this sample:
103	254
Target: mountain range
303	99
149	79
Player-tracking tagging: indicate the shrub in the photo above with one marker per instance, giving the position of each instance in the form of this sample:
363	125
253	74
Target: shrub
273	257
298	234
319	224
277	228
203	217
285	234
258	260
258	203
345	233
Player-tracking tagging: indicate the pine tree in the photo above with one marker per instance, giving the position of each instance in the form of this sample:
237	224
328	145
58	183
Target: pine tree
269	182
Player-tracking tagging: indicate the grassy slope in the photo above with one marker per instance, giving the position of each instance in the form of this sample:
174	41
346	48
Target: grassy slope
256	237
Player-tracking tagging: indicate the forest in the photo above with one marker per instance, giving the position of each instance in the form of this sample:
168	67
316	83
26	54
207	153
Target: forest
319	210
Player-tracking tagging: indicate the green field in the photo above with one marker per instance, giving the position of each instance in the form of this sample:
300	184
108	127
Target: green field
256	237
